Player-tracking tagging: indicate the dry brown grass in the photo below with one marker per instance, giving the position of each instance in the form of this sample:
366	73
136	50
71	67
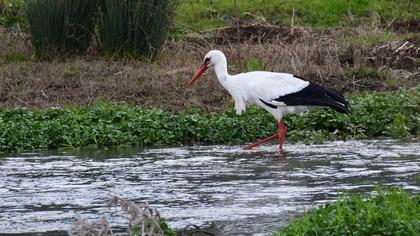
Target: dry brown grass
142	220
88	228
80	82
12	41
332	58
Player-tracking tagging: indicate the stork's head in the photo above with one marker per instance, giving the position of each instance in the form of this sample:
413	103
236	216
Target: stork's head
212	58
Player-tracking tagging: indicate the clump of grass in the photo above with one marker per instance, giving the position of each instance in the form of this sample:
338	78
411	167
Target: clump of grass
390	212
81	23
135	27
143	220
91	228
11	13
13	57
59	26
13	42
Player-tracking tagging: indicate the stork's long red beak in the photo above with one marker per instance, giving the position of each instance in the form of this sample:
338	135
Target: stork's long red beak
197	74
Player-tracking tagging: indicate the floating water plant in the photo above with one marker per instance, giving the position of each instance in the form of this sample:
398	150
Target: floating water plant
105	124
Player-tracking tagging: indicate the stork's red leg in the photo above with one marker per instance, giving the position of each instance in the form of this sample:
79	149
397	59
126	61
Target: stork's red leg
282	134
250	146
282	131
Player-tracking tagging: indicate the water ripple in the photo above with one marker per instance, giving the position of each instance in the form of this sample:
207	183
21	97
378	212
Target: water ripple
244	192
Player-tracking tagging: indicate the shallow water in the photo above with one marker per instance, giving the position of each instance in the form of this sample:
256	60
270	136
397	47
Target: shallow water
244	192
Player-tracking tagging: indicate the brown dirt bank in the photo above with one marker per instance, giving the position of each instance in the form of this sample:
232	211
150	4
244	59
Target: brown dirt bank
335	58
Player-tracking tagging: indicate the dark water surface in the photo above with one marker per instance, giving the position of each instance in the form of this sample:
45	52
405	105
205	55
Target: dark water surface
244	192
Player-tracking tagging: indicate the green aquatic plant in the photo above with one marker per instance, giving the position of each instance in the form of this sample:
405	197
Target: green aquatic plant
108	124
385	212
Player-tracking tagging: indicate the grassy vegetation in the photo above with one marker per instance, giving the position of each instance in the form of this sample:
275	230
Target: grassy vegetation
14	57
143	220
123	31
102	124
60	26
130	27
12	13
135	27
202	14
390	212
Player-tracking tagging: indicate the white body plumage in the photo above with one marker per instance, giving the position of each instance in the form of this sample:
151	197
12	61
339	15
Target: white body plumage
249	88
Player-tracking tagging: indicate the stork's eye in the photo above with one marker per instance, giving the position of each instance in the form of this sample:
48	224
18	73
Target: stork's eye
207	60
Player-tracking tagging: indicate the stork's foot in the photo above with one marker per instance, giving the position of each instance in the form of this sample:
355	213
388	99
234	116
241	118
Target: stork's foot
282	134
281	142
251	146
283	154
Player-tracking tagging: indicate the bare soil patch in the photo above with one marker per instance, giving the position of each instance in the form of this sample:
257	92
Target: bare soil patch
250	33
412	25
397	54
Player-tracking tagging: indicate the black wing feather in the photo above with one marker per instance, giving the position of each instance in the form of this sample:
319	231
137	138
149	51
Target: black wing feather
331	92
315	95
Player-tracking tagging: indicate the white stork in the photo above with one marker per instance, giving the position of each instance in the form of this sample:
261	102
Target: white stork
278	93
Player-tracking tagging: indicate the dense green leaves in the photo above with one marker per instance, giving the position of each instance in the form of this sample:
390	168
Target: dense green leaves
391	212
103	124
375	114
11	13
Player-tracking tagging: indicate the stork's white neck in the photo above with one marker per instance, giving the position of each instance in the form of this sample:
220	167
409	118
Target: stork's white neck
220	67
221	70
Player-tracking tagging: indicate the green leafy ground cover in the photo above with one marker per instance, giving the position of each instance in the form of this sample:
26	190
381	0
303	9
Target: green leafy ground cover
390	212
105	124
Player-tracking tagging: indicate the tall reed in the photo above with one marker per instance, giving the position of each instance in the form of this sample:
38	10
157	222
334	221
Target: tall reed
81	23
60	25
135	27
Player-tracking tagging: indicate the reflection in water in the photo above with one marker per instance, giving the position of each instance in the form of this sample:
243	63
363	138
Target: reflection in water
245	192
